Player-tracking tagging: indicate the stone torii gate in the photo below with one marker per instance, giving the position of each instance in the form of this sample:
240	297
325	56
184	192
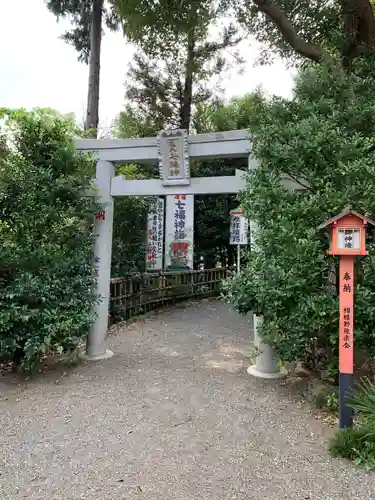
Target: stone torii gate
172	150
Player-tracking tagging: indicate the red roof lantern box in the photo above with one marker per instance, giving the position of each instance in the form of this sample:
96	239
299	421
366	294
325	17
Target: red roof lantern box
348	233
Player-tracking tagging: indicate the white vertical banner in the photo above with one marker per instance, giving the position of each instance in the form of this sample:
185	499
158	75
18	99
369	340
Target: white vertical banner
239	228
179	232
155	235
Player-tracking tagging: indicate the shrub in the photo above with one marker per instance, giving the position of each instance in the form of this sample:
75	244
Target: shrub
328	402
322	139
46	276
357	444
362	399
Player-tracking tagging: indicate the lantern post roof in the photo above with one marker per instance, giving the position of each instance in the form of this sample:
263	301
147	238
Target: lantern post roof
347	211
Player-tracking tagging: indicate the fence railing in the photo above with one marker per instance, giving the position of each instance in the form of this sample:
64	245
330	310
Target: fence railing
137	294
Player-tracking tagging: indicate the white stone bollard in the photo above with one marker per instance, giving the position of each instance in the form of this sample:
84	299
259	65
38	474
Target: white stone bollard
266	364
96	347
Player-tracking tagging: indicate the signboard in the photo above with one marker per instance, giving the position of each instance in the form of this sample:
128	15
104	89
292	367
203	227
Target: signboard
155	234
174	158
349	239
239	228
179	232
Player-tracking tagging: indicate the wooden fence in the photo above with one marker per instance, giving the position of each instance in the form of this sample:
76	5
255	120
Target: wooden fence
140	293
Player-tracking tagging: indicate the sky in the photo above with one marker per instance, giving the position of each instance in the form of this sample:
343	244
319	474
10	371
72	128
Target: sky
37	69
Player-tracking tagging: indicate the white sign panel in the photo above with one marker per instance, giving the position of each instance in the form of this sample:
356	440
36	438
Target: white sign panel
179	232
239	228
174	158
349	239
155	235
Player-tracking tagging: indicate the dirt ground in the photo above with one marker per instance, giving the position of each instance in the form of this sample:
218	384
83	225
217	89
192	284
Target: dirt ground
173	415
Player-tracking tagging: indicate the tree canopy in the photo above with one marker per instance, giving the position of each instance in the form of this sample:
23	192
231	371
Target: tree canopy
79	12
177	56
294	29
313	30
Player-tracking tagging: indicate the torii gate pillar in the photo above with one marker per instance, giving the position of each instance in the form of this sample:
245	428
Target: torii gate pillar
103	231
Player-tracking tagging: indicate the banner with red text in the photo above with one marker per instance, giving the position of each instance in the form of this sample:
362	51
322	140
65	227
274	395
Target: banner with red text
179	232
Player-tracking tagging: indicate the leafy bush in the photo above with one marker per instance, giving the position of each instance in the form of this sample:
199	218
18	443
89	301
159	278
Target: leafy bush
322	139
357	444
47	284
362	399
328	402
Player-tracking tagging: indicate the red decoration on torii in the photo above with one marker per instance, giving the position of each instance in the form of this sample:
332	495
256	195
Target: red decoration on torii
100	215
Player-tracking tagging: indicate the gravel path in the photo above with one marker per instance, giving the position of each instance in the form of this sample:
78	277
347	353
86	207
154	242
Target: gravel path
172	416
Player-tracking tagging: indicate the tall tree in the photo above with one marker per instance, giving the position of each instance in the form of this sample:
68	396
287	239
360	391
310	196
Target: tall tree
86	36
176	57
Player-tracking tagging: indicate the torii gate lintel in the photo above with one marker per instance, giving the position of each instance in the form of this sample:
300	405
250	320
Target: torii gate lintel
231	144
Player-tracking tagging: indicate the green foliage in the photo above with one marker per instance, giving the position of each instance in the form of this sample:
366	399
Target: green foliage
178	61
156	27
328	402
357	444
363	399
322	139
79	12
133	122
130	214
129	228
212	213
236	114
46	276
314	21
309	31
154	88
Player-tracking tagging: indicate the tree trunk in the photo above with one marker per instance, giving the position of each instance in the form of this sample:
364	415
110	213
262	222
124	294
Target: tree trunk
185	113
92	114
359	31
306	49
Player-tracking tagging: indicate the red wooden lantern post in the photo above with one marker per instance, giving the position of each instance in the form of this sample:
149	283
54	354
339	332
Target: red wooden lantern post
348	241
